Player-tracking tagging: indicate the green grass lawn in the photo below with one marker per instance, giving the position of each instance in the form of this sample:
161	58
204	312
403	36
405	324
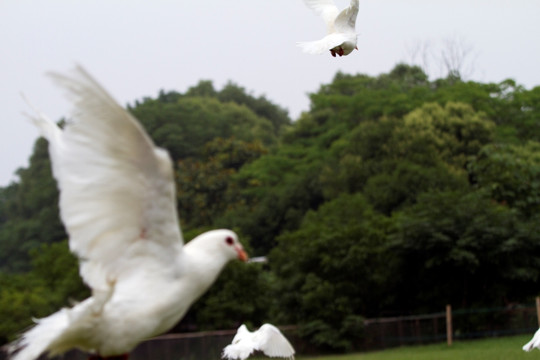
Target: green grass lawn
506	348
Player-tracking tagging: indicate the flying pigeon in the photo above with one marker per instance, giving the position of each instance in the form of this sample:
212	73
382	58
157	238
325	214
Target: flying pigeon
267	339
117	202
340	28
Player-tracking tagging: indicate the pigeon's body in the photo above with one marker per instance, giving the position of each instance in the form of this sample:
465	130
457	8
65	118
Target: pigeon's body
267	339
340	27
117	201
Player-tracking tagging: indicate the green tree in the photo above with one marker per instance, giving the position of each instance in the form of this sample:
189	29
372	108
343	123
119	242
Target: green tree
326	270
205	187
402	187
242	290
276	191
184	127
511	173
51	284
463	249
261	106
451	133
29	212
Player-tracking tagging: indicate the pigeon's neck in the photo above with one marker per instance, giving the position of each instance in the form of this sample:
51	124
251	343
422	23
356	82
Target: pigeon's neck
205	263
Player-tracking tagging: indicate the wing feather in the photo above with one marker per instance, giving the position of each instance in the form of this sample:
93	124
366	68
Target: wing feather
346	20
534	343
241	346
273	343
116	186
326	9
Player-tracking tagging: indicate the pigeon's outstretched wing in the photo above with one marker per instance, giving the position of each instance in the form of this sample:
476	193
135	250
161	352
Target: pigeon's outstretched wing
267	339
116	186
273	343
325	9
346	20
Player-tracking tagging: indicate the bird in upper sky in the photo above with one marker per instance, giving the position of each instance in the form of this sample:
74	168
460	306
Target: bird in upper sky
267	339
118	204
340	27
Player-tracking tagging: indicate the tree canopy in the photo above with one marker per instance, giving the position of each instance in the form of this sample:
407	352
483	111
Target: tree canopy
393	194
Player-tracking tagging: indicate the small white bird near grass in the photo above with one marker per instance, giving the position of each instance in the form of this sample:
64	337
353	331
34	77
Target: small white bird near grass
268	339
341	35
534	343
118	204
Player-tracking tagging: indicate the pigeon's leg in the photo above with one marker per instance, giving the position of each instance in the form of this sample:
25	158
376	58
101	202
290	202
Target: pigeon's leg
333	52
341	52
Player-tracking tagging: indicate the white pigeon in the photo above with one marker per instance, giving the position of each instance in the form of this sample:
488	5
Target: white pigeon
534	343
267	339
117	202
340	27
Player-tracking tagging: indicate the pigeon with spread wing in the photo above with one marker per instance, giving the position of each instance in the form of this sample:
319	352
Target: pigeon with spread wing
118	204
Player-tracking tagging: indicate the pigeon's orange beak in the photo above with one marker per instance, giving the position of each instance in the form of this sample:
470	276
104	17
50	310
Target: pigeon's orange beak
242	255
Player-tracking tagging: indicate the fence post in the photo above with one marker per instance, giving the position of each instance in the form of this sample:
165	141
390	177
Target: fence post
538	309
449	325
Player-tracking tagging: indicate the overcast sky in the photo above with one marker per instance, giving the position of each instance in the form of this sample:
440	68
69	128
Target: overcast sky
137	47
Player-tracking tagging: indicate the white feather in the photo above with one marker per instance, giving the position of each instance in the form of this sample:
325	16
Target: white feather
534	343
267	339
117	202
346	20
326	43
325	9
115	185
341	36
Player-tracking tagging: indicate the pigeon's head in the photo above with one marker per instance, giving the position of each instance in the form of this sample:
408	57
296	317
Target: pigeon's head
222	242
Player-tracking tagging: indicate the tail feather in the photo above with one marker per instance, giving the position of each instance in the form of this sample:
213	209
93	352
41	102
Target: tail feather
65	329
328	42
313	47
236	351
37	340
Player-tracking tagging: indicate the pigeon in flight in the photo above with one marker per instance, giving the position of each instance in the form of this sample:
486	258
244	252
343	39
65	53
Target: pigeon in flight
340	27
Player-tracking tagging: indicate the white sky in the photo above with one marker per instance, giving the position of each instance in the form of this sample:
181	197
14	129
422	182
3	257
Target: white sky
137	47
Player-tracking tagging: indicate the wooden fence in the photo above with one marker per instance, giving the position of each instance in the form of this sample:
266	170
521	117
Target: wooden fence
448	325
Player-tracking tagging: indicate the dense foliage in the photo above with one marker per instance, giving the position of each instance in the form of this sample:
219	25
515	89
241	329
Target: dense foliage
393	194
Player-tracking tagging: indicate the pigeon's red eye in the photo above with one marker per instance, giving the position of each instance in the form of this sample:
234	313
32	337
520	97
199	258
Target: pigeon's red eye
229	240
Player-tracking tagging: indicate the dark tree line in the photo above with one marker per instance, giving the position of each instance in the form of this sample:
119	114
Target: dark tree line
393	194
